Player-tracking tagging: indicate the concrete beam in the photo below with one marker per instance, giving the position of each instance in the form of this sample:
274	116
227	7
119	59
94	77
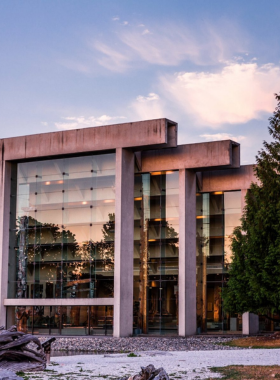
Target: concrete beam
187	252
149	134
199	156
230	179
59	302
124	235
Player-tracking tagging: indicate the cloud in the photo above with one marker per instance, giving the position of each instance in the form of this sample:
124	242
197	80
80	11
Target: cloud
151	96
44	123
146	31
115	18
111	59
171	45
237	93
75	65
73	122
222	136
148	107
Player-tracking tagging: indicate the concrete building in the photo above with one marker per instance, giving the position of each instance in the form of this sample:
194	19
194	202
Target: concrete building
118	230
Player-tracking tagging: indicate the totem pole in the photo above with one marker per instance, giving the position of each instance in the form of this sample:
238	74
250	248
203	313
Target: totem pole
22	259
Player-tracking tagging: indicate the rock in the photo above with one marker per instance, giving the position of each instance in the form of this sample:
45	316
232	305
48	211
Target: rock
149	373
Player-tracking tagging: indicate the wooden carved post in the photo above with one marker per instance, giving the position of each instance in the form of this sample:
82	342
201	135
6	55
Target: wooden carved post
22	259
144	273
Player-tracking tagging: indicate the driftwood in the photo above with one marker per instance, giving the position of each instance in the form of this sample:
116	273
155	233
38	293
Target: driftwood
15	355
149	373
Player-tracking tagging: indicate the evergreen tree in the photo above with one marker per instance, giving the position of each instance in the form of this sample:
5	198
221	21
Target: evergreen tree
254	274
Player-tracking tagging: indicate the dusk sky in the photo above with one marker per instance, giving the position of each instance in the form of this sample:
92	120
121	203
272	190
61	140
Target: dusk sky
212	66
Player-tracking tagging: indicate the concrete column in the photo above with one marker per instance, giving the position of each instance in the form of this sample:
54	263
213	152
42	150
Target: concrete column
5	186
187	252
124	233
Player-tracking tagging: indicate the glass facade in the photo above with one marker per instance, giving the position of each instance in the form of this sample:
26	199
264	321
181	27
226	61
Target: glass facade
217	215
62	228
63	320
62	246
156	248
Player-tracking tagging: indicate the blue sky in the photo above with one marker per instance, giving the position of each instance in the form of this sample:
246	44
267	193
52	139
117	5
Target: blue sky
212	66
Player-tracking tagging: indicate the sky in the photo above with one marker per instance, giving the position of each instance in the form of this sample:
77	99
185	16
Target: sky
211	66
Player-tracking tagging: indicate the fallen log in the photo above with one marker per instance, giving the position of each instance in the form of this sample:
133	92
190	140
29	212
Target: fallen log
17	355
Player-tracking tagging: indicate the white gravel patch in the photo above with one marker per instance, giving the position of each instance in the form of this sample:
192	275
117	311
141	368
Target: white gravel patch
178	364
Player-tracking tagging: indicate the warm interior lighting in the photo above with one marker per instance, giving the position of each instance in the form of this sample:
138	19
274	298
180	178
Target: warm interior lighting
152	239
109	200
218	192
157	220
201	217
47	183
60	182
138	199
84	203
156	173
169	172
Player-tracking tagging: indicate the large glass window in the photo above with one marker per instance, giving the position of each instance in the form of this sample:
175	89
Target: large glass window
63	320
62	233
156	239
217	214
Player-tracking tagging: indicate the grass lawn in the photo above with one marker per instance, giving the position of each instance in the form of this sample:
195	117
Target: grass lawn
248	372
271	341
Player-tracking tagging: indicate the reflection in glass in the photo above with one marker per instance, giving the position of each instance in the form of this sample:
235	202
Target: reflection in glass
63	320
156	227
217	214
62	234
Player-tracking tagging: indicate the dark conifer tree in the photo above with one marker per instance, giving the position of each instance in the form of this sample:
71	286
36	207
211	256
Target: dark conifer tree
254	273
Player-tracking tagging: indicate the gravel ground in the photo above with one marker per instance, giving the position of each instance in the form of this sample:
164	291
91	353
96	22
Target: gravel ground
179	365
118	345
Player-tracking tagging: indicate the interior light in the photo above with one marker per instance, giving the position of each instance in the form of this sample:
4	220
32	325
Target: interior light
138	199
59	182
47	183
109	200
169	172
156	173
218	192
152	239
84	203
201	217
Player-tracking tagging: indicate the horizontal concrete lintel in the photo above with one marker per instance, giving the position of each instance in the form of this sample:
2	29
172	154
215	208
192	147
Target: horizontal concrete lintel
59	302
157	133
226	180
200	156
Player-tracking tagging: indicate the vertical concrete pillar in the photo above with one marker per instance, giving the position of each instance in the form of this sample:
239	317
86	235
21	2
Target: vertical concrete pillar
124	232
5	185
187	252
